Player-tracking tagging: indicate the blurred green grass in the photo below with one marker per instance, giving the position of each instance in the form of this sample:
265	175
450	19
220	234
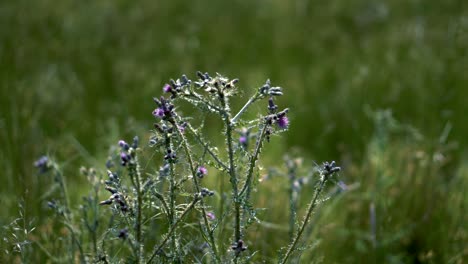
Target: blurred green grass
77	76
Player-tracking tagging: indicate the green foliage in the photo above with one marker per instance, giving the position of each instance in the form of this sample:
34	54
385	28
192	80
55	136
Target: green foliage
75	76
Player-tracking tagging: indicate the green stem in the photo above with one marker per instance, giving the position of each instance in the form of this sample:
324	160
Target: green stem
172	198
233	176
252	99
164	204
292	209
197	188
196	99
312	206
73	236
63	186
253	160
139	209
173	228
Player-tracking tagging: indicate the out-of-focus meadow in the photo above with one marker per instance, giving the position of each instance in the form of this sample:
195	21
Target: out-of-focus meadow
379	86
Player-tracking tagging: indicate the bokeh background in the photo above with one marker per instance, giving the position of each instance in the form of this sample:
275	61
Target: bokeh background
379	86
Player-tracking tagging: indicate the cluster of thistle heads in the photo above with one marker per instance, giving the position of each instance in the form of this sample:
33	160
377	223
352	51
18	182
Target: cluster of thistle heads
207	93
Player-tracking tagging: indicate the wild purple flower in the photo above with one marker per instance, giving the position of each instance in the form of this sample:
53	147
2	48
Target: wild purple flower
125	158
244	137
42	164
211	215
182	127
283	122
158	112
243	140
124	145
123	233
165	107
167	88
201	172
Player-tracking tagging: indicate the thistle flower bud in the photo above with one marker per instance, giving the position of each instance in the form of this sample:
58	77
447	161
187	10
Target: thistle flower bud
275	91
239	246
201	172
167	88
135	142
272	107
205	192
123	233
330	168
42	164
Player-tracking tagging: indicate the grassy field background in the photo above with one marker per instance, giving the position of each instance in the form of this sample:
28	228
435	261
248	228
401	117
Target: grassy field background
379	86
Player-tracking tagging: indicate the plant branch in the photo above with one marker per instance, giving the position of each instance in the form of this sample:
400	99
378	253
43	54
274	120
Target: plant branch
252	99
253	160
312	206
173	227
197	187
232	169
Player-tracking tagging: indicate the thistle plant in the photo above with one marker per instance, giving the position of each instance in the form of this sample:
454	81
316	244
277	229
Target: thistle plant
159	207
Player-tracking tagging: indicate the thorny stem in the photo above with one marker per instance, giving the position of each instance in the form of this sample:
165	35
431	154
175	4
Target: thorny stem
232	169
132	245
312	206
202	101
197	188
172	214
92	228
292	206
163	202
63	186
173	228
74	238
253	160
252	99
139	205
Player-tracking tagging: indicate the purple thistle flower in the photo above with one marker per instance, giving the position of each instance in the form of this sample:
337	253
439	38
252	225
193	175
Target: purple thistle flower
42	164
125	158
123	145
283	122
243	140
158	112
201	171
123	233
182	127
211	215
167	88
